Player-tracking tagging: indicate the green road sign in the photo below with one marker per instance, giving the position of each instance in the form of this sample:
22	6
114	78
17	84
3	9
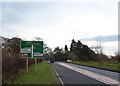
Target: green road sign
31	49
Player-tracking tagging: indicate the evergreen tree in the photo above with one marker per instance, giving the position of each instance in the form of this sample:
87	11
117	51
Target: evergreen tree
83	52
66	53
73	46
58	54
66	48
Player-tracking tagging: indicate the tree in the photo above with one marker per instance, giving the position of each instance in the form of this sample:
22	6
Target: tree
73	46
48	53
47	49
73	56
98	47
103	57
11	62
59	54
82	52
66	48
38	38
66	52
15	44
116	57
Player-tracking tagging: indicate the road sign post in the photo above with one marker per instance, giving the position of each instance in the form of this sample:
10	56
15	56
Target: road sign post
31	49
36	64
27	64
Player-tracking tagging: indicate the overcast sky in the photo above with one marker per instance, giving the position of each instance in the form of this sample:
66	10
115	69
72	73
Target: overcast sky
57	23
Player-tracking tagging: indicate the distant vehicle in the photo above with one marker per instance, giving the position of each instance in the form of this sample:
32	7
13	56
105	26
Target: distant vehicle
69	60
52	60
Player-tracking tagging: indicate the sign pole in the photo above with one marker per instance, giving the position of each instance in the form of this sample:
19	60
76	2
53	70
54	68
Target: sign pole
27	64
36	64
32	51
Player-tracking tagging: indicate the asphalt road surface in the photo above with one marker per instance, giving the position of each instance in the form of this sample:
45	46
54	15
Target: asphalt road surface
71	74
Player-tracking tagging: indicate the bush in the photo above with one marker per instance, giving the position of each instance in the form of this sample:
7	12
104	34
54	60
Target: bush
11	63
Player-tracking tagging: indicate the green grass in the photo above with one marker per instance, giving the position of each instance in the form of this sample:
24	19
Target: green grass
106	65
44	75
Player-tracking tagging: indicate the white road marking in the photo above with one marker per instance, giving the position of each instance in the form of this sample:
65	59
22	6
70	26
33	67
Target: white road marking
98	77
58	76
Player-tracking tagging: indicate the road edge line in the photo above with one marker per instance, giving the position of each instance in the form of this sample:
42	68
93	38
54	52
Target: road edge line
58	76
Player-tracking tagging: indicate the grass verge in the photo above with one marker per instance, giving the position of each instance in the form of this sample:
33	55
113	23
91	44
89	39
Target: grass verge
113	66
44	75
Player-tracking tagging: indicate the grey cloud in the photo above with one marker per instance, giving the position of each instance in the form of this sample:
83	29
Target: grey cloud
103	38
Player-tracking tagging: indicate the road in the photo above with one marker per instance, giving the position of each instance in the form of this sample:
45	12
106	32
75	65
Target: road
72	74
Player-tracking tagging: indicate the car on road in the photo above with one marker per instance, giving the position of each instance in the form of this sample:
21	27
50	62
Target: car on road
69	60
52	60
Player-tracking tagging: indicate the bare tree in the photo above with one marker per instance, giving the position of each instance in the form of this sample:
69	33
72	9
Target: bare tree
98	47
38	38
47	49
